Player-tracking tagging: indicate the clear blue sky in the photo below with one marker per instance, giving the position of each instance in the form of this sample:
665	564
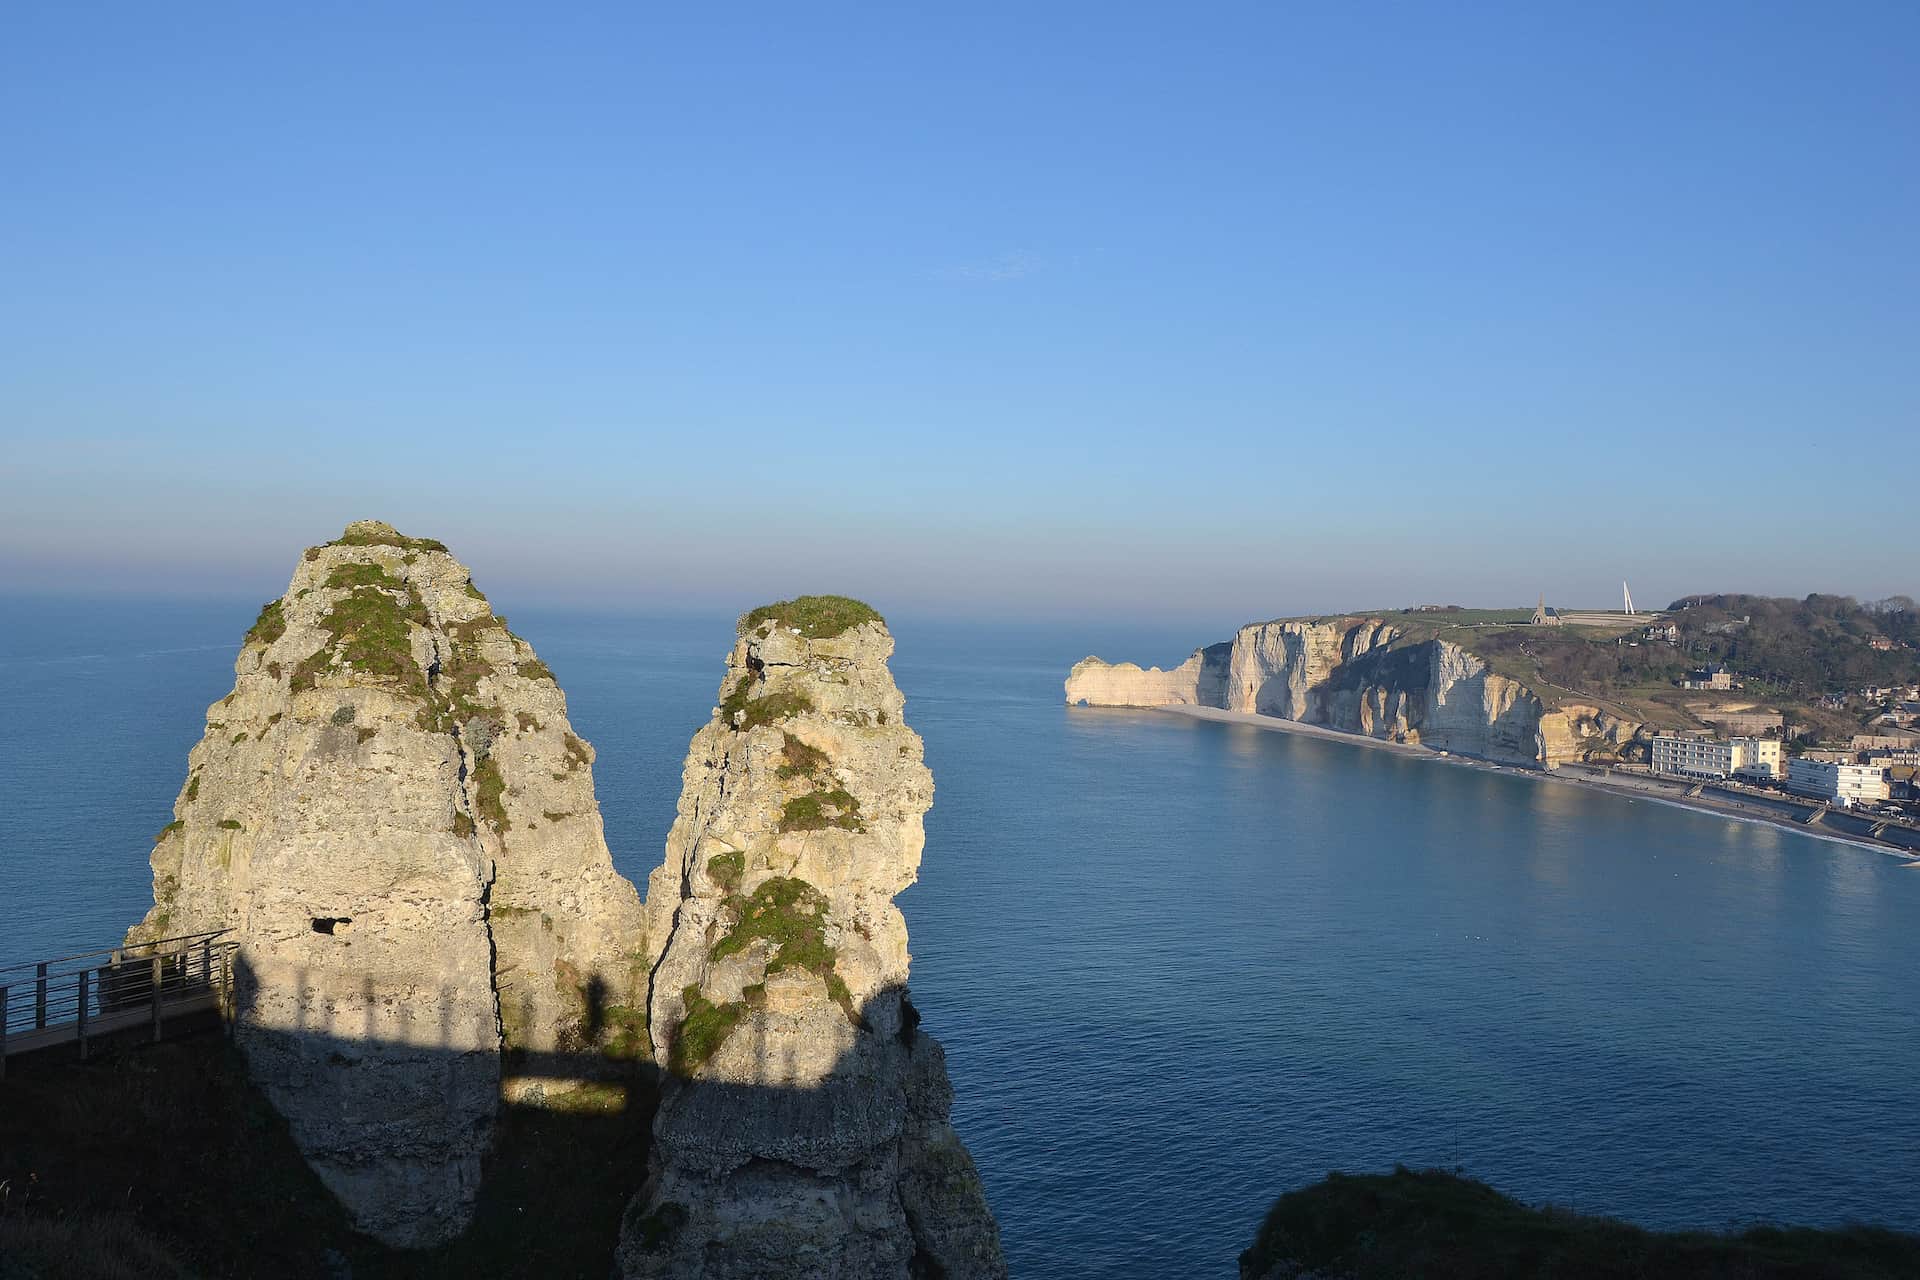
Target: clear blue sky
1223	310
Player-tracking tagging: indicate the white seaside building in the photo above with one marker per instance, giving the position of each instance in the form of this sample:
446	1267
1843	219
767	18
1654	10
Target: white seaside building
1836	783
1689	755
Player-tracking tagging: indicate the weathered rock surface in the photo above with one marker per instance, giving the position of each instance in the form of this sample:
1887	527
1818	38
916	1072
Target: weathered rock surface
1364	676
803	1130
392	814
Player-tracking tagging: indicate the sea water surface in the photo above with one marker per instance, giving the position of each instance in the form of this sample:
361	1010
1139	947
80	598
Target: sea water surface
1180	967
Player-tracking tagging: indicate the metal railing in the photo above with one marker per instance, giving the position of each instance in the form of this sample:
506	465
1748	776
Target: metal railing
95	993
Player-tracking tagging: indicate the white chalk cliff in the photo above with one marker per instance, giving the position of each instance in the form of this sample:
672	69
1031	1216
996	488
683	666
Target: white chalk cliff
392	814
1363	676
803	1126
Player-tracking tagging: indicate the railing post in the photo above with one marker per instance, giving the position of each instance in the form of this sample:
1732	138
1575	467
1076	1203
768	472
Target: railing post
81	1030
206	962
40	996
157	962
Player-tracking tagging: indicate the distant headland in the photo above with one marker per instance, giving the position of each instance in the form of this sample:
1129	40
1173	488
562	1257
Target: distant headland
1801	712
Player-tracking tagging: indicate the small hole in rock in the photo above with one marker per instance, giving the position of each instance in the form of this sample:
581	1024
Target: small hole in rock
327	924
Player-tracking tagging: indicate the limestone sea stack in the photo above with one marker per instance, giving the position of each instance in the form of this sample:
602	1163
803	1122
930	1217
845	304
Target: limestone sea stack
803	1126
392	814
1365	676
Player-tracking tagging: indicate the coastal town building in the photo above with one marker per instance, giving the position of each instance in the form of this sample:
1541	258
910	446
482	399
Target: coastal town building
1832	755
1888	756
1543	616
1877	741
1843	784
1700	756
1716	677
1751	723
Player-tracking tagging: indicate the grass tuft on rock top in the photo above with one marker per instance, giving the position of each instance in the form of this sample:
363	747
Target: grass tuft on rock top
270	625
1434	1223
369	534
816	617
702	1032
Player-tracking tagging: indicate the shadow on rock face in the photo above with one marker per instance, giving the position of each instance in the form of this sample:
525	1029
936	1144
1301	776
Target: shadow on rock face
182	1144
858	1174
557	1172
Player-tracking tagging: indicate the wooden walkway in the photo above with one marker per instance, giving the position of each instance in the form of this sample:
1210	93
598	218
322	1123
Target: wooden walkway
83	998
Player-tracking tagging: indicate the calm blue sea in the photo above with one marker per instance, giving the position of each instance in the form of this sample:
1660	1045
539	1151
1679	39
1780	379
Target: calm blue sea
1180	967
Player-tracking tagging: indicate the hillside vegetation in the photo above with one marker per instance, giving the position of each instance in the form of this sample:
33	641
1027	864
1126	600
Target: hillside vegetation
1788	654
1441	1225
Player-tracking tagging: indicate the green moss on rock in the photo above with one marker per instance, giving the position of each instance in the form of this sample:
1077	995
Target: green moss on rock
702	1032
489	790
790	915
742	711
727	868
363	574
372	635
579	754
270	625
818	810
798	760
625	1032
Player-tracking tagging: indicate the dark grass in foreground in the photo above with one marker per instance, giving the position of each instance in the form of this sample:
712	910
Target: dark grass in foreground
164	1161
1438	1224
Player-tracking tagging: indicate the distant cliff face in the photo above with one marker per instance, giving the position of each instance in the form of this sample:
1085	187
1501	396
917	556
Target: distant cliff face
1200	681
803	1128
394	817
1364	676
